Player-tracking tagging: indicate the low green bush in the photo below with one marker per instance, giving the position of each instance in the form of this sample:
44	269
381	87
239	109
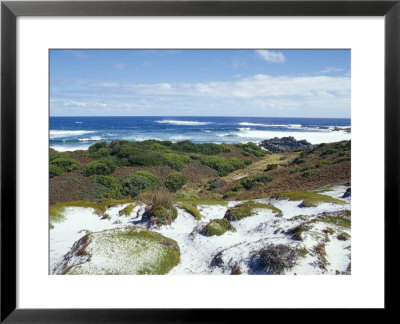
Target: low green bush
299	160
221	165
66	164
139	181
175	181
251	148
329	151
229	194
249	182
55	171
96	168
176	161
237	187
271	167
217	227
159	215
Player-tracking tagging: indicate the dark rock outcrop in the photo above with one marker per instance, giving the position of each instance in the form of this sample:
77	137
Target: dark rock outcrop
347	193
284	144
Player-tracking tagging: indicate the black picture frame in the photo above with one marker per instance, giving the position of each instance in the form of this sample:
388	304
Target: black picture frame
10	10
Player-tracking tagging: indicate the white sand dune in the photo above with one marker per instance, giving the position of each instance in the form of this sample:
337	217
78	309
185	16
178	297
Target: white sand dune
220	254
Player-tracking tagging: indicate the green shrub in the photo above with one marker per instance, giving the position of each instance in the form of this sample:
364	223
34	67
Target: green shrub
53	154
264	178
271	167
55	171
111	162
343	159
93	149
302	169
107	181
66	164
229	194
282	158
175	181
222	165
205	148
249	183
217	227
139	181
237	187
299	160
251	148
212	184
329	151
96	167
176	161
247	161
159	215
323	162
343	236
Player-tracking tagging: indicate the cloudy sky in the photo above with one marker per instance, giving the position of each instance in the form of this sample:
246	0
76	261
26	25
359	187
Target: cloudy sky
259	83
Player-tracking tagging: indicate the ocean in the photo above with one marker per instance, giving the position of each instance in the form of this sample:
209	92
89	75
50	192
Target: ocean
77	133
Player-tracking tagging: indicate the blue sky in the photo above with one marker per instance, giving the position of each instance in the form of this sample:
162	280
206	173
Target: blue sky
259	83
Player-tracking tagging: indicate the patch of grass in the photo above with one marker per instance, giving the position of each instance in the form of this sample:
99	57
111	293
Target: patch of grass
329	151
320	250
337	221
56	211
309	199
127	210
302	251
302	169
299	230
247	209
191	209
217	227
229	194
343	159
193	199
343	236
328	231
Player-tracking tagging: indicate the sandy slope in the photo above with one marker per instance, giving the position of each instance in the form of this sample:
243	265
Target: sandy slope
232	250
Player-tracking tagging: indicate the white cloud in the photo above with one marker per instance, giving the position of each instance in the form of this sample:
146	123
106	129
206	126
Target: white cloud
271	56
259	94
331	69
118	65
256	86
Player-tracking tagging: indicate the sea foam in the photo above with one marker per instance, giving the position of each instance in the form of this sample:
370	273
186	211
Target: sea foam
182	122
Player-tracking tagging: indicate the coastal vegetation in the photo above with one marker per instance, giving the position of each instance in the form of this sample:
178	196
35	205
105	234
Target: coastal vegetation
222	190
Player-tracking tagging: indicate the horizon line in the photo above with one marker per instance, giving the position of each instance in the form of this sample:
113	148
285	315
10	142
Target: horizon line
203	116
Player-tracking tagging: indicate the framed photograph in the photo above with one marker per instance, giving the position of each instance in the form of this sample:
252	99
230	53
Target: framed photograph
164	158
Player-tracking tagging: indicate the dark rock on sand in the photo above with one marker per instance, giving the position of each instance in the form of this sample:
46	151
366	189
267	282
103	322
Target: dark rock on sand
347	193
284	144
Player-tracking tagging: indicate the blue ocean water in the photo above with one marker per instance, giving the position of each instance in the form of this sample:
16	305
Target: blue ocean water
72	133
